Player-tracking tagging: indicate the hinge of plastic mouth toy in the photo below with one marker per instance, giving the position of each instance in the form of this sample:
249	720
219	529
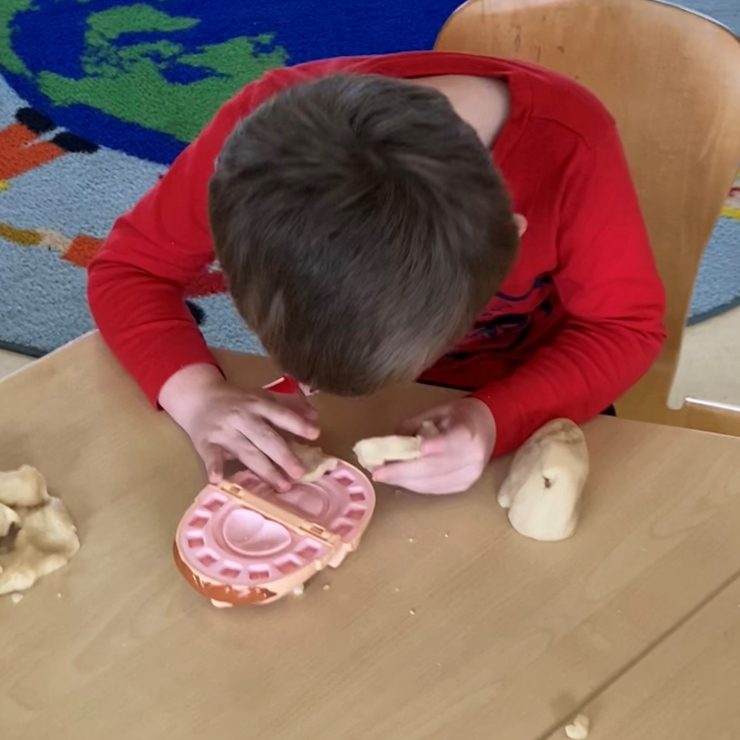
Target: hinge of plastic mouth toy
294	522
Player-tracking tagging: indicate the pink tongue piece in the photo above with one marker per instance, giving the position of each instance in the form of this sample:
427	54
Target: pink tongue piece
249	533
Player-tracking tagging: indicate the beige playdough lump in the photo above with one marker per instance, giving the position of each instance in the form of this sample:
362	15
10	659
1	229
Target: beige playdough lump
544	485
314	460
23	487
376	451
37	535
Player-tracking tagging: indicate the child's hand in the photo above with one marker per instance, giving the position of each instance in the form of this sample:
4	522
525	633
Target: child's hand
451	461
225	423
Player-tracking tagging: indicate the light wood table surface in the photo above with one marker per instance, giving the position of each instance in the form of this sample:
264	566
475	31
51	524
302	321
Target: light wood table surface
687	688
507	638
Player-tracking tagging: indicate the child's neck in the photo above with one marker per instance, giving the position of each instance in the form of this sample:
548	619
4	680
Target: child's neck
483	102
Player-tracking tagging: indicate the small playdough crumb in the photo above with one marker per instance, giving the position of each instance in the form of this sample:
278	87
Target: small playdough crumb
16	598
298	590
578	728
326	587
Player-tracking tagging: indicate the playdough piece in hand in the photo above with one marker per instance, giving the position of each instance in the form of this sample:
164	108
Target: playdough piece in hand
45	538
314	460
376	451
545	482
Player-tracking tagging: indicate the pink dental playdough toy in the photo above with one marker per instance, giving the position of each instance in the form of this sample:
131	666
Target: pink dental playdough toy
242	542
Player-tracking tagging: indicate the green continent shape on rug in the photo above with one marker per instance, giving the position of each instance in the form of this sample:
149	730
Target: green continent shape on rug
126	80
9	9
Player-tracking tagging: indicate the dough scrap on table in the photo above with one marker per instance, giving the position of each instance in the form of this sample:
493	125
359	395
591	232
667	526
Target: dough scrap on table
316	462
23	487
37	534
543	488
8	517
578	728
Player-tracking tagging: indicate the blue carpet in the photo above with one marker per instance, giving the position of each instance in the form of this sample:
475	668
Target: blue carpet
97	98
717	287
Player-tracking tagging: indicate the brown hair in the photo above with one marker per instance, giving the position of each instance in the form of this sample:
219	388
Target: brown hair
361	227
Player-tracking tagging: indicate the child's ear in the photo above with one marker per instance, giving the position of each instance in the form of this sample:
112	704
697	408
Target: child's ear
521	224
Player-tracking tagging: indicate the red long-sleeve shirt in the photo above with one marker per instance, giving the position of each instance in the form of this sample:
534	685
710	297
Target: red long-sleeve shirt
577	321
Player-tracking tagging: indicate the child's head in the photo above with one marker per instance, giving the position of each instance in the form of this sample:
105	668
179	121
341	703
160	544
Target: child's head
361	227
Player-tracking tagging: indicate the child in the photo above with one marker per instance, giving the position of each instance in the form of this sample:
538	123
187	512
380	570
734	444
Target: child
466	220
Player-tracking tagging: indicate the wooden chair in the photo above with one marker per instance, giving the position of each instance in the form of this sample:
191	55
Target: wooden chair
671	79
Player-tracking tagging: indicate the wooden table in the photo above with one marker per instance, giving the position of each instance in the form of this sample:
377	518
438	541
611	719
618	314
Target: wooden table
687	688
477	634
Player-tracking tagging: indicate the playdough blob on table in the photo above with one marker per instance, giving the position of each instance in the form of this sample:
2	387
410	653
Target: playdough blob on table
242	542
543	488
37	535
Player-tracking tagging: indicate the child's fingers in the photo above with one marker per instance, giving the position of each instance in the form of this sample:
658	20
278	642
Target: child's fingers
213	458
439	416
402	473
259	464
444	483
275	448
437	445
456	438
299	403
284	418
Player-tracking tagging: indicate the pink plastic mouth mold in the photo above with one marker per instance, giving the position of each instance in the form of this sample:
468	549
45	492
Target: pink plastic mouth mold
244	543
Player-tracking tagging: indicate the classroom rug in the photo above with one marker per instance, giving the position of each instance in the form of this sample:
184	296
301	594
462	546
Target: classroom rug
97	97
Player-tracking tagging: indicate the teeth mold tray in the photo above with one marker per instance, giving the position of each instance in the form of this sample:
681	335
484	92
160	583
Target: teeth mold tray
242	542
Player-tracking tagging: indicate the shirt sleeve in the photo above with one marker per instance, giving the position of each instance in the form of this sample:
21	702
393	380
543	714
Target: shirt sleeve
613	300
136	282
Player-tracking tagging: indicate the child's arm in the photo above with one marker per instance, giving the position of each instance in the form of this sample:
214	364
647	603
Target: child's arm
136	282
137	291
614	301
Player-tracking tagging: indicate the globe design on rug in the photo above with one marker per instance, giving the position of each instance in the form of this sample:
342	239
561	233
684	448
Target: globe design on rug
139	77
144	76
97	97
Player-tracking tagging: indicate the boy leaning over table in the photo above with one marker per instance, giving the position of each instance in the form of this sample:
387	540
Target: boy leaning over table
466	221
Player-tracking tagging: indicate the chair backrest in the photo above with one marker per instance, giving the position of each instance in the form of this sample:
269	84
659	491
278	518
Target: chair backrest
670	78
